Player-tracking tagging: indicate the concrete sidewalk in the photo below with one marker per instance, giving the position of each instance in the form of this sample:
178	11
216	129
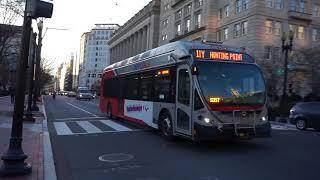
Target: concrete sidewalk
35	137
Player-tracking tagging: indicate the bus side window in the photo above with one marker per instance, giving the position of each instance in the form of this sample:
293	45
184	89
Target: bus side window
164	87
106	88
146	89
197	101
132	89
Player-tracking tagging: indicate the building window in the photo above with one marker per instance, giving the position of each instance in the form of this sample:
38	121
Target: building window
237	30
188	9
226	34
198	20
267	52
226	11
301	32
198	3
277	28
166	7
164	37
293	28
95	65
302	6
165	23
178	15
316	10
315	34
238	6
88	75
220	12
219	34
278	4
178	29
187	24
293	5
245	4
269	3
244	27
268	27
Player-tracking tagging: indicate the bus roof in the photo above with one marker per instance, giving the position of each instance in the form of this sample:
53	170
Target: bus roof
161	56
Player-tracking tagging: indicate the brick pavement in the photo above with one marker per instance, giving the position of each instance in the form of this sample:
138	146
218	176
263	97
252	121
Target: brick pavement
32	140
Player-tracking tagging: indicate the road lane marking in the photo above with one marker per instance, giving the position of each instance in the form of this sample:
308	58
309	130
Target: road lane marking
115	126
66	119
62	128
90	128
82	109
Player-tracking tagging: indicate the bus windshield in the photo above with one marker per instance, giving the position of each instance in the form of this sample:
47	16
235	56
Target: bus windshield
231	83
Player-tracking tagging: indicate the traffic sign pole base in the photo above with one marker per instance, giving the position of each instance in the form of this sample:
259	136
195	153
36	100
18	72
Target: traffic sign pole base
14	160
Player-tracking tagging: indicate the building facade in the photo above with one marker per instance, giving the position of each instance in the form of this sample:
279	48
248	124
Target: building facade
137	35
94	53
255	25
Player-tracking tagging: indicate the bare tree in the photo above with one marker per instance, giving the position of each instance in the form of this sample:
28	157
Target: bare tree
46	72
10	12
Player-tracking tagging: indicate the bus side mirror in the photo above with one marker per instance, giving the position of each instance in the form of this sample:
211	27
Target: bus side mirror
194	70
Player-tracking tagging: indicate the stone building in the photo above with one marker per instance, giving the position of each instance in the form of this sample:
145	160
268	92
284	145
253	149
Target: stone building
255	25
94	53
137	35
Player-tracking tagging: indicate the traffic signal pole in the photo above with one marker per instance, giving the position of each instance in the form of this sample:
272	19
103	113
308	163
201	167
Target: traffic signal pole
36	93
14	159
28	114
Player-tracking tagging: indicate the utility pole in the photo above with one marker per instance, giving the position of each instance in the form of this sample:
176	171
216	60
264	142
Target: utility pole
36	93
33	44
286	47
14	159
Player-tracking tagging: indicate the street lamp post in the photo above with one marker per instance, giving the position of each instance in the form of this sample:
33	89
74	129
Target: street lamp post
14	159
36	93
31	78
286	47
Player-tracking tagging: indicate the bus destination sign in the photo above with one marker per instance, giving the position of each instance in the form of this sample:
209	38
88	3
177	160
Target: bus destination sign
218	55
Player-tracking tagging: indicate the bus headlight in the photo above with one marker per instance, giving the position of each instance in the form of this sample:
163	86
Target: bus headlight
264	118
207	120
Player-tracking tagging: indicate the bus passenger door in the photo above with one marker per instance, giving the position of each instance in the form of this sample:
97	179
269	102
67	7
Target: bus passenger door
183	100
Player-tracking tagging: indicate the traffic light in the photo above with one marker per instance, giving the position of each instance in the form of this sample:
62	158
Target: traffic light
38	8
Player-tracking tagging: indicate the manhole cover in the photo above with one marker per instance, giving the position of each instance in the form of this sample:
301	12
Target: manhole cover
116	157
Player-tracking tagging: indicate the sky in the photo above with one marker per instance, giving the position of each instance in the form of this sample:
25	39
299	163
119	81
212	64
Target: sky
79	16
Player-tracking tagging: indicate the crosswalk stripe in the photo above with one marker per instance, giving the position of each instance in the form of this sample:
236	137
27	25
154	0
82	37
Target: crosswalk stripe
87	126
62	128
115	126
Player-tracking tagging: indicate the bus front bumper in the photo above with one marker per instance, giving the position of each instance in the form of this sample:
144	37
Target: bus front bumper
228	132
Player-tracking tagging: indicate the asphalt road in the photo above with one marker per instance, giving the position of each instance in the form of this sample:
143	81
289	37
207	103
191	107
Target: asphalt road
88	146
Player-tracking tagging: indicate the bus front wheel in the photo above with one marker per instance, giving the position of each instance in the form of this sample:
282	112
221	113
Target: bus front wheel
166	125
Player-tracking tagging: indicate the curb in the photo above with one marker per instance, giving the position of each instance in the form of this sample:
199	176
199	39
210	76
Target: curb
283	124
48	162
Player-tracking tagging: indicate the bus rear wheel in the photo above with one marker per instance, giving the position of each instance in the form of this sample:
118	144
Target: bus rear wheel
166	125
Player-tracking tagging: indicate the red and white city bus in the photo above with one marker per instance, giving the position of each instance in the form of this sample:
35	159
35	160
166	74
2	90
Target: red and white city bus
196	90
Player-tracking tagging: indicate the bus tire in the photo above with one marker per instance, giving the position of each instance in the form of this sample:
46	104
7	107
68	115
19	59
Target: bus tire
166	125
109	111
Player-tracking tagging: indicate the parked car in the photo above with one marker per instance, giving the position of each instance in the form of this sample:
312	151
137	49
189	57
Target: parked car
306	115
84	94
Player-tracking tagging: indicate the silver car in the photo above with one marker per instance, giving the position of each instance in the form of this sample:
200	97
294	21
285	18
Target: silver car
84	94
